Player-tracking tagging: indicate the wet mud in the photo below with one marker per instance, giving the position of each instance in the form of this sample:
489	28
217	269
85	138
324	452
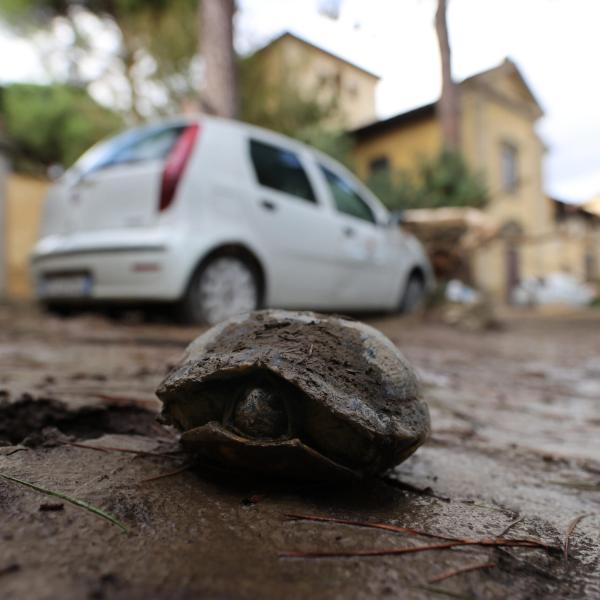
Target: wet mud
25	420
514	454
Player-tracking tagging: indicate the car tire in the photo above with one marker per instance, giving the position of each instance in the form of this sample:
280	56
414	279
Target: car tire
223	286
414	294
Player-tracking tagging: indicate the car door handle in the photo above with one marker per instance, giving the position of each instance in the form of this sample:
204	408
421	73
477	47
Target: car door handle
268	205
349	232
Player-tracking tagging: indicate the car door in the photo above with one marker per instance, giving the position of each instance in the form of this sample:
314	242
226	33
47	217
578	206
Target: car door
366	274
293	224
120	187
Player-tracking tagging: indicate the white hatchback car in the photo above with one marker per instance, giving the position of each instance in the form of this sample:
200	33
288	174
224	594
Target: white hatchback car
221	217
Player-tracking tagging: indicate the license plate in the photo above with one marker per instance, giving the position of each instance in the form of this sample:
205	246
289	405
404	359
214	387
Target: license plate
65	286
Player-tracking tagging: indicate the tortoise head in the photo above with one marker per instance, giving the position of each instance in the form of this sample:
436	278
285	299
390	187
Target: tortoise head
261	413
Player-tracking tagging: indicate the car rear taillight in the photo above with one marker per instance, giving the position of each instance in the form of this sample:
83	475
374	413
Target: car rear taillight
175	165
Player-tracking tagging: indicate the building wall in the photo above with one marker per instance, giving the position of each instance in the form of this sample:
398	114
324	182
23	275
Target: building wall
403	148
323	76
489	266
495	110
488	124
24	199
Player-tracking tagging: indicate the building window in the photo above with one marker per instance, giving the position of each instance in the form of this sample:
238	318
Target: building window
352	89
379	165
337	79
330	79
324	79
509	166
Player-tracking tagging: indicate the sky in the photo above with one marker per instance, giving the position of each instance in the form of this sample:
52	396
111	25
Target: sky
555	44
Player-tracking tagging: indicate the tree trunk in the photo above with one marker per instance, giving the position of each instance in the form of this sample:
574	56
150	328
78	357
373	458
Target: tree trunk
128	56
219	87
448	105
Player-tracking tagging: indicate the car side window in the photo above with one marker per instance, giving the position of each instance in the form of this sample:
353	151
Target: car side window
347	199
281	170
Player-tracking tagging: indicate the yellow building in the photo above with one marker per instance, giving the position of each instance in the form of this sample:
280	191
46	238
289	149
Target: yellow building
322	75
578	236
23	200
498	115
593	207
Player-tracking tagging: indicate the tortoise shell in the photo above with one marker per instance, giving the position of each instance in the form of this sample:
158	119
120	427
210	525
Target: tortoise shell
298	394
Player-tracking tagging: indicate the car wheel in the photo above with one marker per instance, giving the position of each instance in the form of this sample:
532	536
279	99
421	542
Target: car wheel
223	287
414	295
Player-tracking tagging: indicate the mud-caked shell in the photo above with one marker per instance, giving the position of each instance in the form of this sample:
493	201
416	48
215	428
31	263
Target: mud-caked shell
297	394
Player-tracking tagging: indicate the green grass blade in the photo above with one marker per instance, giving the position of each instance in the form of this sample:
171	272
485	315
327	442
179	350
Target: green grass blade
80	503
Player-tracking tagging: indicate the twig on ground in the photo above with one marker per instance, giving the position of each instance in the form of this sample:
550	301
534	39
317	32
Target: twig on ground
449	542
570	528
410	549
19	449
510	526
80	503
384	526
168	474
355	553
453	572
126	400
127	450
394	528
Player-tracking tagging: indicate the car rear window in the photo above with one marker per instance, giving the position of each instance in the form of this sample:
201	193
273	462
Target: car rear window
135	145
280	169
155	146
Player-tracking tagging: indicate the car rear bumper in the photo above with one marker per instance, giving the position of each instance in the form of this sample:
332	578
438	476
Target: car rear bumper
143	270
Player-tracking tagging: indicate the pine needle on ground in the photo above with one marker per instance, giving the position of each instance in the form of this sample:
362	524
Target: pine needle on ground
79	503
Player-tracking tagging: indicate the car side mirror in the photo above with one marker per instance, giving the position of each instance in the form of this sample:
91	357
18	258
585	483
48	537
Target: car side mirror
396	218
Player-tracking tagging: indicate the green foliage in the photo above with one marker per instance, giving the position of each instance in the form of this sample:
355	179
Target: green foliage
443	180
169	35
30	14
164	31
333	142
274	103
37	13
52	124
278	104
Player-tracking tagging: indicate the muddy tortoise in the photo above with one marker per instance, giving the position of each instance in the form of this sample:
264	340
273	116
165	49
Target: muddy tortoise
296	394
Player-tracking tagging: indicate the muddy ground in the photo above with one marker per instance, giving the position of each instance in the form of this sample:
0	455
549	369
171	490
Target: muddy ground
515	452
